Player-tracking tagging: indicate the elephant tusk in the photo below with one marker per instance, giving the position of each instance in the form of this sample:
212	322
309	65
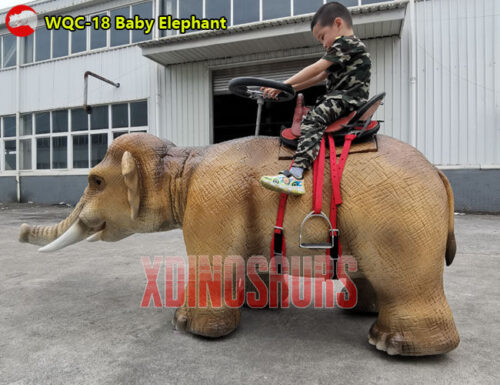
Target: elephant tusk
74	234
95	237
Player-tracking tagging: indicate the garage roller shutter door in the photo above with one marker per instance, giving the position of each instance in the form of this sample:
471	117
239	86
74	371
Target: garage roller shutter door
275	71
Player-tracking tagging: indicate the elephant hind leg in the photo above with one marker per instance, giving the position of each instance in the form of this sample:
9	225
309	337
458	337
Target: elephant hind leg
415	329
414	317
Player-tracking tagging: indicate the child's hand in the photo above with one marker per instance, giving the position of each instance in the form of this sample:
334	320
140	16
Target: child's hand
271	93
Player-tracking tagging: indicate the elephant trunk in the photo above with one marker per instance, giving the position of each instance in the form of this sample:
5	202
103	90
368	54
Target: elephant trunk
42	235
77	232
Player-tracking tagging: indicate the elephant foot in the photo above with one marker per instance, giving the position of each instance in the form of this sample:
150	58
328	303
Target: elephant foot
391	343
409	343
207	322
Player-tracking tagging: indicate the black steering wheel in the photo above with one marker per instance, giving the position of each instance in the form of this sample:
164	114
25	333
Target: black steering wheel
249	87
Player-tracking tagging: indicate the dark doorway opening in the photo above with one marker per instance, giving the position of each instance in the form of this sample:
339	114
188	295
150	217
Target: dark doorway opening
235	117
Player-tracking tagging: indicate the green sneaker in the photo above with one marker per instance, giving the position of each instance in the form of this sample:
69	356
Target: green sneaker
284	182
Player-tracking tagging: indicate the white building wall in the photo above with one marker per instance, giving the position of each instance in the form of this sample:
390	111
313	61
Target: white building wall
390	64
457	83
186	104
8	92
59	83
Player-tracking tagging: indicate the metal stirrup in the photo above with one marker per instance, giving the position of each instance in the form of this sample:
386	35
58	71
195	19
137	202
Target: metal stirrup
320	245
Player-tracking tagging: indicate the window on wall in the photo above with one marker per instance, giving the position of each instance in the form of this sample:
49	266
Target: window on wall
370	1
63	139
60	121
350	3
79	120
245	11
98	36
273	9
59	152
10	154
9	145
119	37
144	11
119	115
42	122
80	151
9	48
42	44
26	124
168	7
138	114
42	153
9	126
99	146
78	40
60	41
190	7
28	48
25	154
51	44
99	118
306	6
215	9
116	134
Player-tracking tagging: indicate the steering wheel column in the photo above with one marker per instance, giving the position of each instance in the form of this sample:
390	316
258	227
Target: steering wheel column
249	87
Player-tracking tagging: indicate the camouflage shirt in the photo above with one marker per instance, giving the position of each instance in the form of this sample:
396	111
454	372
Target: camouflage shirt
349	74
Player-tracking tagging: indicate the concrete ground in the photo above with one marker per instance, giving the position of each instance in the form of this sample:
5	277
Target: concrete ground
74	317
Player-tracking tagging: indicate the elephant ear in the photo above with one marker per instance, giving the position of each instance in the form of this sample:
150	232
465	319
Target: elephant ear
131	178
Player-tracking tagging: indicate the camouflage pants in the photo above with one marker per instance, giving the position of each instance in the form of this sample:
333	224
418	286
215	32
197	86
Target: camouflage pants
326	111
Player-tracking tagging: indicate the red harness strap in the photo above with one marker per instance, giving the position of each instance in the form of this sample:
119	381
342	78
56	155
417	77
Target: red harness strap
336	175
335	201
278	247
318	173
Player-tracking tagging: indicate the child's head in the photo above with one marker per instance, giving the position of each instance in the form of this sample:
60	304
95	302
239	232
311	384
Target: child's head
329	21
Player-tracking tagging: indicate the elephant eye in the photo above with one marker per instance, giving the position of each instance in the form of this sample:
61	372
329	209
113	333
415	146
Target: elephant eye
96	182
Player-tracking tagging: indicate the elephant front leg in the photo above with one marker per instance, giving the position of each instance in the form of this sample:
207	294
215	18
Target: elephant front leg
208	309
207	322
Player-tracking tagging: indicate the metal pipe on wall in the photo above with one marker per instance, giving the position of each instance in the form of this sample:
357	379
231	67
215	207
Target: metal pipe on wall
496	73
18	117
157	69
413	76
86	75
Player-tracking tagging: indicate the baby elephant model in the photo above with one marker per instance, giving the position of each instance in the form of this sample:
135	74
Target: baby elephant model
396	219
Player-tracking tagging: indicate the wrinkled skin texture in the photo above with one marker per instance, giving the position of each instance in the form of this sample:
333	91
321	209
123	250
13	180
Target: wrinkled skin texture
396	220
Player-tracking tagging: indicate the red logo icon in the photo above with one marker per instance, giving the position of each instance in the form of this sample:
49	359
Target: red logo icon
21	20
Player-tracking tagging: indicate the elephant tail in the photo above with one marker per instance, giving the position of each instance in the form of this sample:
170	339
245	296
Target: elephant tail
451	246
